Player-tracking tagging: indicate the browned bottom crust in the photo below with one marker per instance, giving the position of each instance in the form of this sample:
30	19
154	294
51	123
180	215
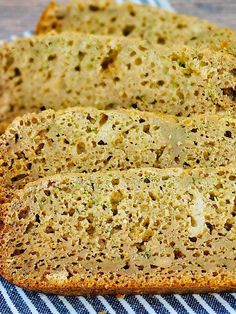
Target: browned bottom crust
128	285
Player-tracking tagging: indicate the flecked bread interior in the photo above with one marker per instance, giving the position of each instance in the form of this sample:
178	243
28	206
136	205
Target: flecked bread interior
89	140
155	25
70	69
135	231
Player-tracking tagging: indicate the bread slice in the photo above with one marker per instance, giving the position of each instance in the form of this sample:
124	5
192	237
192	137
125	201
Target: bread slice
89	140
69	69
136	231
131	20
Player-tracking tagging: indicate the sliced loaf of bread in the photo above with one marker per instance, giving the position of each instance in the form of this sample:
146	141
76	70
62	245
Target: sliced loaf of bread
136	231
69	69
131	20
89	140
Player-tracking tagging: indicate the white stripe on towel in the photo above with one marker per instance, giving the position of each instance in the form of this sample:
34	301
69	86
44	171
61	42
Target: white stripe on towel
106	304
87	305
145	304
184	303
166	304
67	305
204	304
27	301
224	303
48	303
8	300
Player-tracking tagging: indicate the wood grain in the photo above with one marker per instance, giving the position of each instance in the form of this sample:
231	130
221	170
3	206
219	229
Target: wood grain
222	12
17	16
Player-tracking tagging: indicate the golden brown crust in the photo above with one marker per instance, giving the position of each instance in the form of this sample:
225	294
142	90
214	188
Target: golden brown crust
129	286
44	17
3	126
5	123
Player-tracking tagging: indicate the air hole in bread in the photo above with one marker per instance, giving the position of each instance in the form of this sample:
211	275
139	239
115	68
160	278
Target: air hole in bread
49	229
19	177
17	252
1	225
70	43
109	59
39	148
81	55
80	148
193	221
132	53
178	254
77	68
103	119
228	134
92	120
128	29
94	8
90	230
146	128
138	61
210	227
24	213
152	196
29	227
161	40
16	137
126	266
228	225
115	182
230	92
52	57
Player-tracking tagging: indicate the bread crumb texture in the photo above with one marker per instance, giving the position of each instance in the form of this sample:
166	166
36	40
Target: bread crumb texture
132	231
155	25
88	140
70	69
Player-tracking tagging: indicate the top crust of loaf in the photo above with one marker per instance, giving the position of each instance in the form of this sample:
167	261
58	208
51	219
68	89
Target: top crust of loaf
136	231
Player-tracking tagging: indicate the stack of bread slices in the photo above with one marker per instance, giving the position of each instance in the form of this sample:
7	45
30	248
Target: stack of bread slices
118	152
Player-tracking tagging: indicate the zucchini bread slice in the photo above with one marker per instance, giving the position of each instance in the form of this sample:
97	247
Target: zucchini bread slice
89	140
135	231
70	69
155	25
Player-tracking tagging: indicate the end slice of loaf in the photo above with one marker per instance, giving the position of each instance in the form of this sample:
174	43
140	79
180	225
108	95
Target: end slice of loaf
89	140
57	71
131	20
136	231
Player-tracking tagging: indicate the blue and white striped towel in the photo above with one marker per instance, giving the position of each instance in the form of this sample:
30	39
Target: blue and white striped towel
18	301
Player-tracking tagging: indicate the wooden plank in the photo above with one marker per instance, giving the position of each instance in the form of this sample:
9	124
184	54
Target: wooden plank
222	12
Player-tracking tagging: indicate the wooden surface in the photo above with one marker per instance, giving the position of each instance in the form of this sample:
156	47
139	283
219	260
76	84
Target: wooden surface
222	12
17	16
